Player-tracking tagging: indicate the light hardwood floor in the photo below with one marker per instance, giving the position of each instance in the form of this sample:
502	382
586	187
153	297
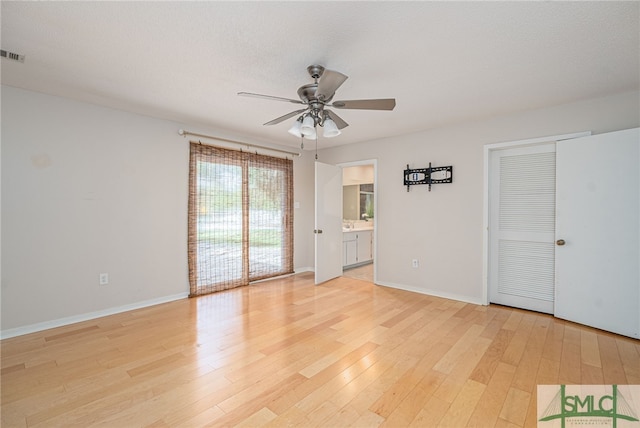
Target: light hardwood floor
364	272
288	353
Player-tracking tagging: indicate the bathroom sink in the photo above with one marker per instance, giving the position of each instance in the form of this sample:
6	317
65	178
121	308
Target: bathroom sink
357	228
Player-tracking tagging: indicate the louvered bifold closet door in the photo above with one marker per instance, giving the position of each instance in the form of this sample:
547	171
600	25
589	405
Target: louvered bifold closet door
522	228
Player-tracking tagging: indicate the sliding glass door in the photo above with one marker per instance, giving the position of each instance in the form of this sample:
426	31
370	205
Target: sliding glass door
240	218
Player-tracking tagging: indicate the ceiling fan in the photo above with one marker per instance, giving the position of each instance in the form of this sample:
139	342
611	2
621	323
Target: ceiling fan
316	97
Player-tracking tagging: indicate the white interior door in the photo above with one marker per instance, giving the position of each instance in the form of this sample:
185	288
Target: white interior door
328	222
598	217
521	228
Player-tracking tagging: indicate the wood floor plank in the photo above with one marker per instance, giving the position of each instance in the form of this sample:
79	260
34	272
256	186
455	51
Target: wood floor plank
292	417
589	349
460	411
260	394
342	417
493	397
548	371
613	371
201	418
353	364
404	386
431	414
412	308
72	333
371	394
492	357
525	375
252	399
159	364
449	388
259	418
515	349
291	340
629	357
415	401
318	417
146	397
333	357
379	362
459	350
591	375
512	323
501	423
295	395
392	362
302	355
570	372
553	344
493	327
368	419
10	369
515	406
531	419
288	352
465	366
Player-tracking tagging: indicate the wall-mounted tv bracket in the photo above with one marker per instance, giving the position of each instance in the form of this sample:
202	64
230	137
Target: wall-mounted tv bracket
431	175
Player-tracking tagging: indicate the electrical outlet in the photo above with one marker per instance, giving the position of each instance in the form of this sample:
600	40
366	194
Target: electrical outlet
414	263
104	278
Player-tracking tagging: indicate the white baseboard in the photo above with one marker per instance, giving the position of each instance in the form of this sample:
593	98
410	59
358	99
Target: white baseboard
435	293
304	269
33	328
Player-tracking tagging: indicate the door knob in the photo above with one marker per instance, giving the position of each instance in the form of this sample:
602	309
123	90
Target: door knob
560	242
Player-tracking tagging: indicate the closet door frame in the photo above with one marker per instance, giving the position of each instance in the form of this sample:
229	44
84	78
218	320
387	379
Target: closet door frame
486	194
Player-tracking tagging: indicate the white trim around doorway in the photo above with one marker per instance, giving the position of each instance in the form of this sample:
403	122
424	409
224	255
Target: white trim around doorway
373	162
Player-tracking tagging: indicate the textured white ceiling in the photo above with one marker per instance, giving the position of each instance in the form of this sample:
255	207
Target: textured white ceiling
444	62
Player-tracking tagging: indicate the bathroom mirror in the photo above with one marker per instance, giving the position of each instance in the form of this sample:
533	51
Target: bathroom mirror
357	193
357	202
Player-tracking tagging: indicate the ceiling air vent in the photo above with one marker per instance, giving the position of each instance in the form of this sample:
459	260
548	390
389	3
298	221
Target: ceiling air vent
11	56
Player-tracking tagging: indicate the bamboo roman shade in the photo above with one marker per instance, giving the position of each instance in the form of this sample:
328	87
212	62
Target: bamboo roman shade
240	218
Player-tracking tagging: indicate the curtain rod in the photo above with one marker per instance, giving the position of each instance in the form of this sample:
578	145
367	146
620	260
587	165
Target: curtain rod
185	133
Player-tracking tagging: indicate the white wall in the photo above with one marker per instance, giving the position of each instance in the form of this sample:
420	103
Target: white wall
87	189
443	228
359	174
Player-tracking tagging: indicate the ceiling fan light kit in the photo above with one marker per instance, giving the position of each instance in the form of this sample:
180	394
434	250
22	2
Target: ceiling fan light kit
316	97
308	126
295	128
330	129
311	135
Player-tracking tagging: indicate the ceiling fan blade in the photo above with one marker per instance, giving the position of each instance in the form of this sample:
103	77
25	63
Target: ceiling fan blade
328	83
380	104
337	119
269	97
285	117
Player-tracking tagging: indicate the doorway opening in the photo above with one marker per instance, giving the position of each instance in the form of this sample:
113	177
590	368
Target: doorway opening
359	220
